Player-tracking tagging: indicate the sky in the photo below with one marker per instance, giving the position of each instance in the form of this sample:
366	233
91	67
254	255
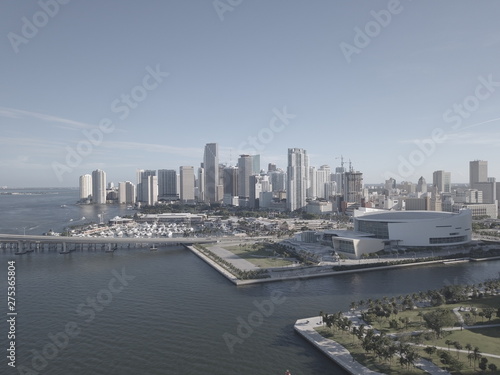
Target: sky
398	88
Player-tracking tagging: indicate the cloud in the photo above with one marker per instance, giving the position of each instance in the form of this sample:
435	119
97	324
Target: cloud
62	123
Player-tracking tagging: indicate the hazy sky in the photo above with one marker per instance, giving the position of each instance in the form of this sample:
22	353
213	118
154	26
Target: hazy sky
369	80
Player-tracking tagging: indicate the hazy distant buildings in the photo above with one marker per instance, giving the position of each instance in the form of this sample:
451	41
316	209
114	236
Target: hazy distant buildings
85	187
187	183
297	179
99	186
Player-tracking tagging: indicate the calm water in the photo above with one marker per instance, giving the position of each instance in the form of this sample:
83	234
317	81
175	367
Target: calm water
173	314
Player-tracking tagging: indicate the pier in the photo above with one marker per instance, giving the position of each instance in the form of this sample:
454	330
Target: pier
23	244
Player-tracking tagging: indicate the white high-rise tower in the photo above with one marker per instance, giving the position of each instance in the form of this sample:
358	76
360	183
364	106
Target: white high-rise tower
99	186
297	179
85	186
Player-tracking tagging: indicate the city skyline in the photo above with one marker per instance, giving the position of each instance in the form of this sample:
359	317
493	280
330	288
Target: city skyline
149	86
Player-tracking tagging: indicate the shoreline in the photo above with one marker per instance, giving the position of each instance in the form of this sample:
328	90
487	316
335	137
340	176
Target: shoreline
332	349
238	282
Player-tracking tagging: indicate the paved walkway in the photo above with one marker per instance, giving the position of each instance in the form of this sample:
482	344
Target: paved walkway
228	256
341	355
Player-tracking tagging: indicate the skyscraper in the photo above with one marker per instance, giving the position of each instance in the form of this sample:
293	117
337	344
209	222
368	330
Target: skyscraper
211	165
478	172
126	192
143	187
99	186
245	170
322	177
442	180
353	186
311	188
167	184
187	183
150	189
85	186
422	185
297	179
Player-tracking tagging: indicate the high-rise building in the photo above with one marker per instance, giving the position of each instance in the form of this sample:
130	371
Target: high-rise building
200	184
442	180
231	181
211	165
339	177
142	185
478	172
297	179
322	177
150	189
167	184
422	185
126	192
353	186
311	187
256	164
186	183
85	186
278	181
99	186
245	170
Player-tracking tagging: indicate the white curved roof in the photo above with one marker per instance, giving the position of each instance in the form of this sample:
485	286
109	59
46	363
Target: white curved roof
395	216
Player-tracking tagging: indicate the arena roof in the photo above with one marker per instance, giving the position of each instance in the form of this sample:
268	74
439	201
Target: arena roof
392	216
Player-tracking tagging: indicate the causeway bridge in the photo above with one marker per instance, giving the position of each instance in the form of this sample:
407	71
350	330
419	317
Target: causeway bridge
28	243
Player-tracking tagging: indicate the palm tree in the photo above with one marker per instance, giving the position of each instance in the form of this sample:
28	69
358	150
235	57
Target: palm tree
448	342
476	355
468	347
470	356
459	347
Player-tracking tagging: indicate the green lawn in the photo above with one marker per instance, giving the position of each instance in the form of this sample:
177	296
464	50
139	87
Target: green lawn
416	322
259	255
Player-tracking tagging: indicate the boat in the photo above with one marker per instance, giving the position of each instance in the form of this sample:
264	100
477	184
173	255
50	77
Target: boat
64	252
20	252
153	248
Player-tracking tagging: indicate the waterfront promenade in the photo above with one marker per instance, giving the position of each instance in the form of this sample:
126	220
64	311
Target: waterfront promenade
341	356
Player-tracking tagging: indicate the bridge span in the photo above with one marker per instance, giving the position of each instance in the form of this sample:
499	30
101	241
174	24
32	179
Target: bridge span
29	243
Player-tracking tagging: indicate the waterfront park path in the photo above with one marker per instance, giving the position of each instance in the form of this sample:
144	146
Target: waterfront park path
341	356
